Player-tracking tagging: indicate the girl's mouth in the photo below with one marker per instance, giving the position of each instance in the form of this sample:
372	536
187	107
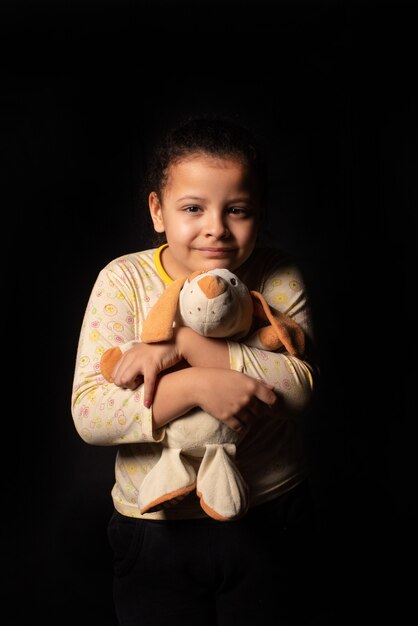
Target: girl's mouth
216	252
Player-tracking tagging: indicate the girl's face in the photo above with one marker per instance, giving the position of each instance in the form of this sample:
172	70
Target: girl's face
209	212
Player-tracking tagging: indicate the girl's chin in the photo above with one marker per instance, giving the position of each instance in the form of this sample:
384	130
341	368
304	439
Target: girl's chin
217	264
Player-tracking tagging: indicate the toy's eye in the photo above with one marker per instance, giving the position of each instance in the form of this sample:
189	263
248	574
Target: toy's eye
233	281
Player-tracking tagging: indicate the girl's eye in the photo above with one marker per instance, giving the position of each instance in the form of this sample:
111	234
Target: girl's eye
237	210
192	209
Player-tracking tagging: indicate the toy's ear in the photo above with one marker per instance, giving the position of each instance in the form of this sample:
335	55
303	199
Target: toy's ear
158	325
288	331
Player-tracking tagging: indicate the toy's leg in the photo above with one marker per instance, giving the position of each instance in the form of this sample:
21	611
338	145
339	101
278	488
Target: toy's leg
168	482
220	486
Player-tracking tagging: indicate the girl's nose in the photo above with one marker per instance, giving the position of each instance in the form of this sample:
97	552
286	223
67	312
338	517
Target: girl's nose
216	227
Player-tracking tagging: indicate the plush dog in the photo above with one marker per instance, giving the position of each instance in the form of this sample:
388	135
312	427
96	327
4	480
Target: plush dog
198	451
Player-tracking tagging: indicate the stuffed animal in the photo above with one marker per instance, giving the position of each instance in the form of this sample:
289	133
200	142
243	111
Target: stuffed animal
198	451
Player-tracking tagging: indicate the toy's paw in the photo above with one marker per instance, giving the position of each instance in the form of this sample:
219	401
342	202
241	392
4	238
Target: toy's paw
108	362
167	483
220	486
269	339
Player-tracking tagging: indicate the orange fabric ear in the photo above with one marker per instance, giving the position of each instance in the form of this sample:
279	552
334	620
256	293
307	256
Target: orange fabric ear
108	362
158	325
288	331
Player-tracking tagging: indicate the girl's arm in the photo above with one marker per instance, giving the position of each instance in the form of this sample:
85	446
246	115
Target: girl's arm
231	397
105	414
216	364
292	378
238	400
142	362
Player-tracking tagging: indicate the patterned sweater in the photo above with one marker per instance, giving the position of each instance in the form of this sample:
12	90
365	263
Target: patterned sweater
270	455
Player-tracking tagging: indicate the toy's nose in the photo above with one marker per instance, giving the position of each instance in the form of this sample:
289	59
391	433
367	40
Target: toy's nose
212	286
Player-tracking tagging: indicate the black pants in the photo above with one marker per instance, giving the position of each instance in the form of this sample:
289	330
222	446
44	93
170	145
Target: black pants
261	569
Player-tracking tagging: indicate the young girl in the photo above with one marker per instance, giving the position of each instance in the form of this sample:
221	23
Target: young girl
177	565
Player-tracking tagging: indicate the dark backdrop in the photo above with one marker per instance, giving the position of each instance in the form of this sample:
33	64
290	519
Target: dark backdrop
329	87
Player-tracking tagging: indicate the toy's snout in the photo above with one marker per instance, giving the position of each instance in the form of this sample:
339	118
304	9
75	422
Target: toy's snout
216	304
212	286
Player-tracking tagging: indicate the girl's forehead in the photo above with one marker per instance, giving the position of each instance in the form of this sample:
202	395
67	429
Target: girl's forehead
210	172
202	169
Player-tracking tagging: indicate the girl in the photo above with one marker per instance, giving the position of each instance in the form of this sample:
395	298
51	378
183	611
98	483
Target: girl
178	566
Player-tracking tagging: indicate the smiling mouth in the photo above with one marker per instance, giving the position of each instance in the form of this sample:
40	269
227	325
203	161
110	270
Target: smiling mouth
216	250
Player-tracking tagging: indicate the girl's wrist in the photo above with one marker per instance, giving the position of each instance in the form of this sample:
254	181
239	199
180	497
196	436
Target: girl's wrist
201	351
183	337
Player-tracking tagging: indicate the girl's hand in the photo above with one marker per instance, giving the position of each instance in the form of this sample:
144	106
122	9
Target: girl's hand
142	363
233	397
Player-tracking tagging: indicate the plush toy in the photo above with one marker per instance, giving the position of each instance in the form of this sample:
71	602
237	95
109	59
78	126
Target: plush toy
198	451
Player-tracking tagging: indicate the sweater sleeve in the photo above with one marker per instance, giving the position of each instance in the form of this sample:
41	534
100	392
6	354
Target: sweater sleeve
294	379
103	413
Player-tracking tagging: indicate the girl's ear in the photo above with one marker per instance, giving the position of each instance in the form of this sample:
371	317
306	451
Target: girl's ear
156	212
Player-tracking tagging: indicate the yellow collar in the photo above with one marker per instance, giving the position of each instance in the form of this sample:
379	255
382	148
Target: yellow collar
159	266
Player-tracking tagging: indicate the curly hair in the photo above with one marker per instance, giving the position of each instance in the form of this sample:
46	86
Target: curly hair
209	135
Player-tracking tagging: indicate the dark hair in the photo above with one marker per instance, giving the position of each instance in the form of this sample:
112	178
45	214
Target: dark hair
210	135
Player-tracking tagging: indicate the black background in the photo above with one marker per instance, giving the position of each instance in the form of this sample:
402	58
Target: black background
330	89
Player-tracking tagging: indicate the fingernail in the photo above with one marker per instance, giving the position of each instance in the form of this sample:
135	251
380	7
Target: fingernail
147	403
